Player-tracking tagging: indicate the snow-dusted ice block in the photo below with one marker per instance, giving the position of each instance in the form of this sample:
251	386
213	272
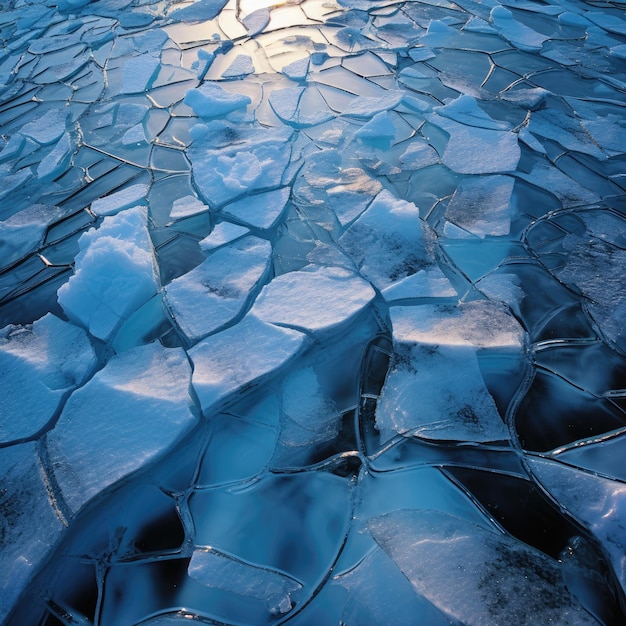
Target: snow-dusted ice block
55	163
437	392
386	241
129	413
212	101
469	572
114	275
48	128
213	293
222	234
482	206
124	199
481	323
520	35
138	72
475	150
428	283
598	503
29	526
220	571
286	104
314	299
261	210
232	359
38	364
186	207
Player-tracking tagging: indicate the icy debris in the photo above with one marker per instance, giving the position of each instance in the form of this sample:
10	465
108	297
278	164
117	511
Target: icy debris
366	107
222	234
309	415
241	66
23	232
428	283
481	323
530	98
29	527
128	414
232	359
473	150
386	241
298	70
469	572
186	207
212	101
520	35
313	299
482	205
138	72
215	292
38	364
220	571
598	503
114	274
131	196
48	128
418	155
261	210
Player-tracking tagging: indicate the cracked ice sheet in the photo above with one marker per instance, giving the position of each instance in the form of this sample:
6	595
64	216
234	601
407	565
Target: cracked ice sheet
469	572
38	364
130	412
29	526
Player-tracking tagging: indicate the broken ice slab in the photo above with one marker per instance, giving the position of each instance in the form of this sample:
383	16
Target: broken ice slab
115	267
40	364
214	293
146	408
500	576
30	524
597	502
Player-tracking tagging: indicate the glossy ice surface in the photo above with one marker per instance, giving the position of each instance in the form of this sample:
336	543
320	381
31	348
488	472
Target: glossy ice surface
312	312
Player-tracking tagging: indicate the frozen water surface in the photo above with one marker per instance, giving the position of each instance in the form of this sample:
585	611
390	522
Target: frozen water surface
312	312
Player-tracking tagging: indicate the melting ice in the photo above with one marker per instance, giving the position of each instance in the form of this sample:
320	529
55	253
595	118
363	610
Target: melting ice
312	312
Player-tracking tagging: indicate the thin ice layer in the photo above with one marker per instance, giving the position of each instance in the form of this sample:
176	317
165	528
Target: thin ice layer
129	413
470	573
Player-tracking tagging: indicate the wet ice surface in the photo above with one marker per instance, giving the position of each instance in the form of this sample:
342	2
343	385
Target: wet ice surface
312	312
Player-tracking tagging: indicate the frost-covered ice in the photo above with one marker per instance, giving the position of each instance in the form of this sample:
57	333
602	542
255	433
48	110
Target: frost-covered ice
311	312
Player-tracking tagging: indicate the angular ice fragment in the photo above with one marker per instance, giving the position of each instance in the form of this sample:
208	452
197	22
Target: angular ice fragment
530	98
115	274
482	205
241	66
200	10
520	35
429	283
379	131
223	233
29	527
23	232
598	503
232	359
313	299
365	107
286	104
138	72
221	571
481	323
119	200
186	207
48	128
38	364
298	70
216	291
261	210
256	21
128	414
472	150
440	35
135	134
386	241
418	155
309	415
465	110
54	163
211	101
470	573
